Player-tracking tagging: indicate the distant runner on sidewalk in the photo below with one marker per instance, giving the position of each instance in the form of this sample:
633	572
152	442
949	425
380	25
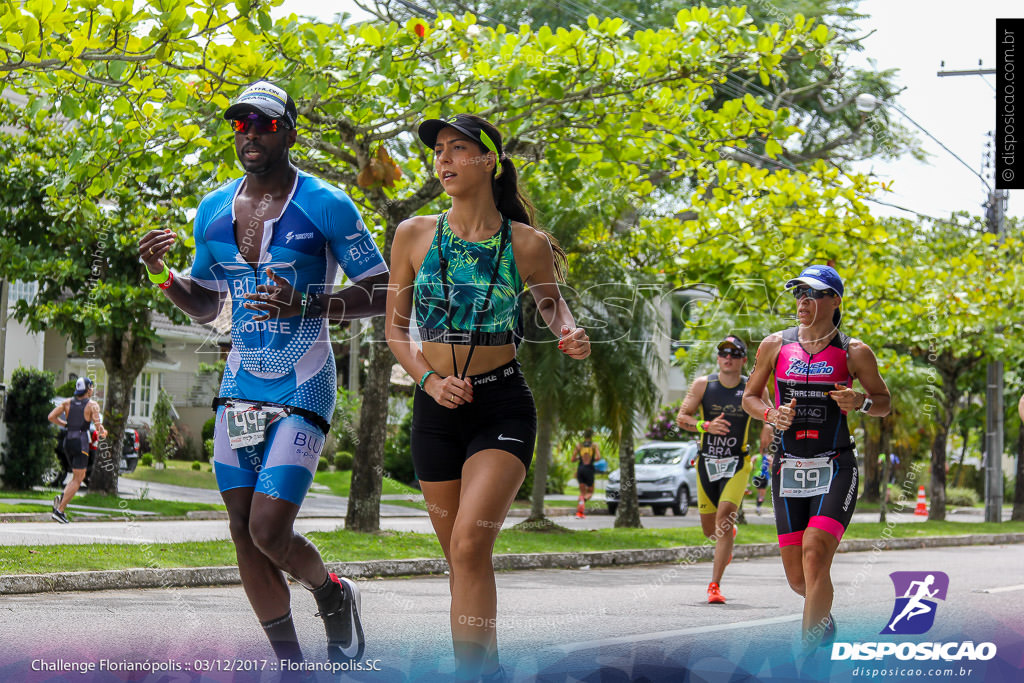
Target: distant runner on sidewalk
77	413
587	453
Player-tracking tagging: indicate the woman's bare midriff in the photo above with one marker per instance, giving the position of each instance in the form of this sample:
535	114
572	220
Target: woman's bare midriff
485	358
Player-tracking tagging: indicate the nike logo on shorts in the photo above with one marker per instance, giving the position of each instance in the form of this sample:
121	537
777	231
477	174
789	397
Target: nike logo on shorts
502	437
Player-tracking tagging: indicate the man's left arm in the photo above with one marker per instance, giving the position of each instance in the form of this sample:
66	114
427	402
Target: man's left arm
97	419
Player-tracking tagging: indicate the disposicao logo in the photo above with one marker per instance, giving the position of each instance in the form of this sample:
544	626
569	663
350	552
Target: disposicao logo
914	614
916	595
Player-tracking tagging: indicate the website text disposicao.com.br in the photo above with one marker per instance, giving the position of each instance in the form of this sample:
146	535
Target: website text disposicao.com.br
911	672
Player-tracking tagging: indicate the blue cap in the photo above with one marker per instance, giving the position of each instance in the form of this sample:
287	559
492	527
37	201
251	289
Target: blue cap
819	277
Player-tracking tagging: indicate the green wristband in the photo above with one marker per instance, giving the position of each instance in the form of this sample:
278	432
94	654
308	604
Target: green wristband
423	379
161	277
700	426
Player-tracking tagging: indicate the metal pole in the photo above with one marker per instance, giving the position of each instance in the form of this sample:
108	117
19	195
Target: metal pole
994	402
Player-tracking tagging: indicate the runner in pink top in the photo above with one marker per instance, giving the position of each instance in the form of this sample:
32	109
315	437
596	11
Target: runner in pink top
811	368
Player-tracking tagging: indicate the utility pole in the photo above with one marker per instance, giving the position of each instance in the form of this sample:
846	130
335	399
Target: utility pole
996	210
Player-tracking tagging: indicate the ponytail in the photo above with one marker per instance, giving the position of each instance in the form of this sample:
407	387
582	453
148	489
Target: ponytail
512	203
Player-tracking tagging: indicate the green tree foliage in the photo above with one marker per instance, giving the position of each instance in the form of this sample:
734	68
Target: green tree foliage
160	440
30	437
594	111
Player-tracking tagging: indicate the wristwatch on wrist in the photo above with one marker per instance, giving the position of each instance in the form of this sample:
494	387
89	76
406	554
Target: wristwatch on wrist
314	307
866	406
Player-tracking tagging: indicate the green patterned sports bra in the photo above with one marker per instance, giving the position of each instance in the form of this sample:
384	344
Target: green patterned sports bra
468	292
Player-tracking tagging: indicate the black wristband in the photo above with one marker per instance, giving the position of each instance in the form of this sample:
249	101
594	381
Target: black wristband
314	307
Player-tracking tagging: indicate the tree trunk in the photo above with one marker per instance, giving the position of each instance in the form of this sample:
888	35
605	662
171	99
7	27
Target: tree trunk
629	510
123	355
871	470
963	453
368	464
937	507
1018	487
542	458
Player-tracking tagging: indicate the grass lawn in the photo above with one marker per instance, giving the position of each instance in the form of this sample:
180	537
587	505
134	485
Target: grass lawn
117	505
177	472
340	482
344	545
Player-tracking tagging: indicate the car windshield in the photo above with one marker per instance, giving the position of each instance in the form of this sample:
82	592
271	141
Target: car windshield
660	455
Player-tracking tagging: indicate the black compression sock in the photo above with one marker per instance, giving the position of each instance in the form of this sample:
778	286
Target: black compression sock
282	636
328	596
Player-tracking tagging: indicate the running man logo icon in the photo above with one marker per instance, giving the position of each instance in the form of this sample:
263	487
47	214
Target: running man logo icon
914	611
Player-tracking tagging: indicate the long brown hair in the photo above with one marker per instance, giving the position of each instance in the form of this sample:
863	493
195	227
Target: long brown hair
509	198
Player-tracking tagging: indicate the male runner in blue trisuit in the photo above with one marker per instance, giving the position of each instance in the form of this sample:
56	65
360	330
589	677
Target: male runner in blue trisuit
273	241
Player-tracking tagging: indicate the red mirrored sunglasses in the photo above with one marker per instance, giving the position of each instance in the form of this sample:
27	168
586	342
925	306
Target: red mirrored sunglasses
260	125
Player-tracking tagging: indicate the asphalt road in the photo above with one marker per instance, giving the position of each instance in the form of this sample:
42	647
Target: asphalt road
623	624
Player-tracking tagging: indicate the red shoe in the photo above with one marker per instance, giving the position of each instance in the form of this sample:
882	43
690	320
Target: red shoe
715	596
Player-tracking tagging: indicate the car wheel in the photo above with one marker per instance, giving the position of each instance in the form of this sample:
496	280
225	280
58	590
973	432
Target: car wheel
659	510
612	507
682	504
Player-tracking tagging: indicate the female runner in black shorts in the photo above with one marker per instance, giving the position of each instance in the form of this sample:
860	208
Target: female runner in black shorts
811	369
474	423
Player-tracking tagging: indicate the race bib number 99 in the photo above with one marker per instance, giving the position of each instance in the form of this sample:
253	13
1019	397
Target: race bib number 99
245	427
805	477
720	468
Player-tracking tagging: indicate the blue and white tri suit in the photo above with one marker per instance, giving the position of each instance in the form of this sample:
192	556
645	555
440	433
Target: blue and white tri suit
284	360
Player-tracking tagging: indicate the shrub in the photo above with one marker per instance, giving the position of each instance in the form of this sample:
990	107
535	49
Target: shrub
662	426
65	390
208	450
558	475
192	451
160	439
398	452
196	465
962	496
30	439
321	465
343	461
146	460
208	428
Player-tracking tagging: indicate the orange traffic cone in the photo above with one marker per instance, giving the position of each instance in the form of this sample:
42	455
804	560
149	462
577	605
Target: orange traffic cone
922	504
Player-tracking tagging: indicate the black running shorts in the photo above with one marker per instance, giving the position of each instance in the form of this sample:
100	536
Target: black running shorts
585	474
501	416
831	511
76	447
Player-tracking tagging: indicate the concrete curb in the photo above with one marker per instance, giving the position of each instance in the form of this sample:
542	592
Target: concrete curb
195	577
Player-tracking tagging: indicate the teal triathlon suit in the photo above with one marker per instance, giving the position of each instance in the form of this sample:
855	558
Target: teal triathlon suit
284	365
76	442
468	293
819	431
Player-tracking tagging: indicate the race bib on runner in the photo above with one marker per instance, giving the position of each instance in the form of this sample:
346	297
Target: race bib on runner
720	468
246	427
805	477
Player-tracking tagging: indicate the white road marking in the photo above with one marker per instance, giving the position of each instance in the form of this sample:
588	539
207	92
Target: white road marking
1003	589
662	635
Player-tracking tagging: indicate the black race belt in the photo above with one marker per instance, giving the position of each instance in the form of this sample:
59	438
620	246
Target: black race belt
315	418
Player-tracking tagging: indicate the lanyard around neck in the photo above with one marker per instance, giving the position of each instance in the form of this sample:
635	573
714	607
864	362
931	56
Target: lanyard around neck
505	229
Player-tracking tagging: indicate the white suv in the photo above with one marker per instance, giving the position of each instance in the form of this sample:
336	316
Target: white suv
666	477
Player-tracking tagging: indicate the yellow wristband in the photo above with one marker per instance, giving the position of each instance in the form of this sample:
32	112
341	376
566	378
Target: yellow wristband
159	278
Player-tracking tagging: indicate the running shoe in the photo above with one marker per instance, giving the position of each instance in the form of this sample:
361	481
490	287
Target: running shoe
830	632
56	501
715	596
59	516
345	639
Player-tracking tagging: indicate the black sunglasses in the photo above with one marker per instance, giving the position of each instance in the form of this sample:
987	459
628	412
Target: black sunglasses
730	353
811	293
